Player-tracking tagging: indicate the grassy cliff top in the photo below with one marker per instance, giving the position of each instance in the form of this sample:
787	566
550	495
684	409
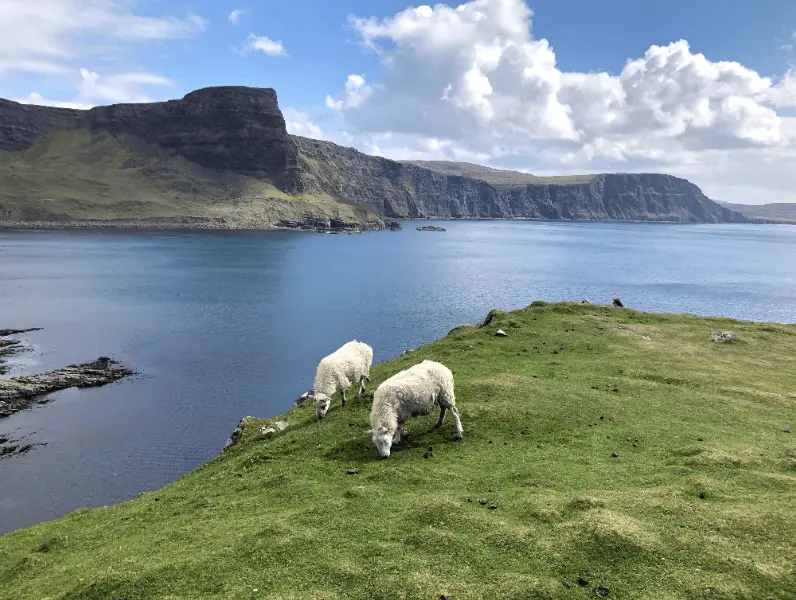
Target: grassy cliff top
625	448
499	177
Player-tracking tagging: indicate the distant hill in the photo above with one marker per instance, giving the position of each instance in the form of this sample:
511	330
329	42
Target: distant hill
769	212
222	157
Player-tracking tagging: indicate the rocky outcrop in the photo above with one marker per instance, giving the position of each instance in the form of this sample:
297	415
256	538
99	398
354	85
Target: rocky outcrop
19	393
406	190
239	129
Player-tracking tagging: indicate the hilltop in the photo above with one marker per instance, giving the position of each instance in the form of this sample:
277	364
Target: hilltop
622	449
222	157
767	213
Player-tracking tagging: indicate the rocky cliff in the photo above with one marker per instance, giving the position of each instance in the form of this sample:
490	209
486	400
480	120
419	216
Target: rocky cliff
223	155
419	190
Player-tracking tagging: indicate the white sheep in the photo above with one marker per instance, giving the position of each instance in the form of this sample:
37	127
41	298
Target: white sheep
336	372
415	391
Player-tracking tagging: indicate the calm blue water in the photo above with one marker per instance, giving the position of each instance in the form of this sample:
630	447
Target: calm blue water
224	325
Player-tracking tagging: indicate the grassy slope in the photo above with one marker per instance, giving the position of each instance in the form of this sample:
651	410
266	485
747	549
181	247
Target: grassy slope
79	175
280	518
775	212
499	177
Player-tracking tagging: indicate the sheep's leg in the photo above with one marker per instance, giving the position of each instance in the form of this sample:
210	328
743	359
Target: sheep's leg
441	419
458	421
397	437
362	385
344	398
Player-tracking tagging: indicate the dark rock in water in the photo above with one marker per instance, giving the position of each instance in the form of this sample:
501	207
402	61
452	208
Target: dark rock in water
19	393
618	303
352	472
394	226
430	228
7	332
601	590
583	581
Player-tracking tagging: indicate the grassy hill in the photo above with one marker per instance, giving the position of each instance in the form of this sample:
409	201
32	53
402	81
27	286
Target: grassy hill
78	175
498	177
782	211
600	443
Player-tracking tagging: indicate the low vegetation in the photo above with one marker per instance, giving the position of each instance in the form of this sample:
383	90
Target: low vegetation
83	176
606	452
499	177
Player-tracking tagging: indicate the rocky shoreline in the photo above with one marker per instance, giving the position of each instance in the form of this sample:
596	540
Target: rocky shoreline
19	393
308	225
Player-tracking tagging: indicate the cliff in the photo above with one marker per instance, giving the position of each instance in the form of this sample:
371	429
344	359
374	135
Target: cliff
222	157
459	190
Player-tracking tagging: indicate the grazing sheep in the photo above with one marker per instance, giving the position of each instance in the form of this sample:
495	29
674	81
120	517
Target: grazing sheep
415	391
336	372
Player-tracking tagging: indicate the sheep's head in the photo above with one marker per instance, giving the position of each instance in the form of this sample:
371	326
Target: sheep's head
383	440
322	403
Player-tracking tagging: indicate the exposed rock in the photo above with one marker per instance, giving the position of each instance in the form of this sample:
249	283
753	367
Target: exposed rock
236	434
7	332
430	228
19	393
585	301
601	590
304	397
501	333
407	190
618	303
394	226
429	453
352	472
724	337
491	315
583	581
270	430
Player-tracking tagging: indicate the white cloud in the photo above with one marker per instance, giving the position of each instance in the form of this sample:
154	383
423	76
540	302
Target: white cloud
124	87
301	123
262	43
235	15
49	36
474	80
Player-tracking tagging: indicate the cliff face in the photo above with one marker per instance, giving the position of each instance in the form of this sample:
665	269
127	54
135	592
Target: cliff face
230	128
410	190
239	132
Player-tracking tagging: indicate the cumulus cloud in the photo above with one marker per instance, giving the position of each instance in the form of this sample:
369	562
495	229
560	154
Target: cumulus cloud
300	123
262	43
474	79
235	15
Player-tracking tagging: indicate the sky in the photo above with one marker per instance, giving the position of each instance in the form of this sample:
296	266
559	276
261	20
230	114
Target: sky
701	89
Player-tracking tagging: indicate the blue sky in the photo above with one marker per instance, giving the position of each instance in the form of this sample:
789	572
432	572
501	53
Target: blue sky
540	85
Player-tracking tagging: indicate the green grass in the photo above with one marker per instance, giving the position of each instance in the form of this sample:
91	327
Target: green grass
543	411
499	177
79	175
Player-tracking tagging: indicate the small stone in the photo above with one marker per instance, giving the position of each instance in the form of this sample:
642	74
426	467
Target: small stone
492	491
601	590
724	337
444	597
482	501
492	506
601	418
618	303
429	454
786	431
469	499
583	581
788	452
490	441
501	333
566	585
614	454
352	472
700	440
702	495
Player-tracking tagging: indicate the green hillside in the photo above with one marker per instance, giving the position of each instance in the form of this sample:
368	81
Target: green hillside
78	175
624	448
